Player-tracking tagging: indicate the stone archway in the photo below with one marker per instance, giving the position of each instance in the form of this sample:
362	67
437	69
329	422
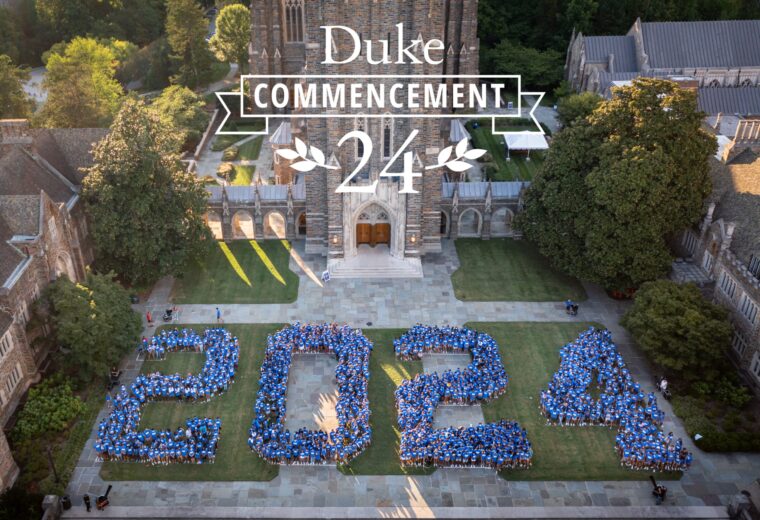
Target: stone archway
64	266
275	225
445	225
501	222
214	223
301	227
243	225
470	223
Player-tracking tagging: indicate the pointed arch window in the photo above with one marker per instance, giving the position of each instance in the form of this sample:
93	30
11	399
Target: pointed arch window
387	137
360	124
294	20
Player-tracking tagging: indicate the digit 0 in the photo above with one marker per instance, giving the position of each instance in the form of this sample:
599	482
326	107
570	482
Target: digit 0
119	438
498	445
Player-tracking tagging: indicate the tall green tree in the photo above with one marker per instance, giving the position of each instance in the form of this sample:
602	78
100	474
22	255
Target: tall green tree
537	68
180	108
10	36
81	85
95	322
615	185
186	30
146	209
577	107
233	33
680	330
14	103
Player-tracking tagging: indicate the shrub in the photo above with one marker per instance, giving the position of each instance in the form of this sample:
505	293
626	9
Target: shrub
50	408
734	441
734	395
230	153
226	171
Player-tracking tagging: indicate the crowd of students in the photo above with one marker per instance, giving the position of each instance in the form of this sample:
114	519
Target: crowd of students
495	445
170	341
268	436
593	359
118	435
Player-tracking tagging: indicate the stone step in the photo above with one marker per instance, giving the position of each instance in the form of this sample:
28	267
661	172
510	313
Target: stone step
408	268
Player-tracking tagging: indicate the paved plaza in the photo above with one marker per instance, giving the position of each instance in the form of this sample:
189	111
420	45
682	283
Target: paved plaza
312	393
452	493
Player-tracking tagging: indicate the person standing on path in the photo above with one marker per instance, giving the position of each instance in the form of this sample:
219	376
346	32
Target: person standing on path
149	317
218	315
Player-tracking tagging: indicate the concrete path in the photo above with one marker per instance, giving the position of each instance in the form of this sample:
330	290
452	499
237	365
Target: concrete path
323	492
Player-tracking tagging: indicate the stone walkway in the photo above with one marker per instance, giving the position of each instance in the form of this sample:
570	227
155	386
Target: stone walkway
326	493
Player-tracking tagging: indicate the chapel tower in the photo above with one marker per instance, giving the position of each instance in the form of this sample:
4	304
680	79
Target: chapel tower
287	39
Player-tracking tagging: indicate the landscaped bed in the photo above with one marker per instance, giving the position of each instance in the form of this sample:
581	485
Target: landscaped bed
509	270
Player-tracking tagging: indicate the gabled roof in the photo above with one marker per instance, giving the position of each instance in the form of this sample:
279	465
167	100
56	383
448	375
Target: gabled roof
730	100
736	192
68	149
599	48
20	174
10	256
724	43
21	213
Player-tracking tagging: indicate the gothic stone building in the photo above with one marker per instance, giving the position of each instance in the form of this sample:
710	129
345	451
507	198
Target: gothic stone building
286	39
721	59
44	235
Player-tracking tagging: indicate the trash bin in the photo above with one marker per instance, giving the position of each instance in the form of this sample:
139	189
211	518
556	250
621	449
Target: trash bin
66	502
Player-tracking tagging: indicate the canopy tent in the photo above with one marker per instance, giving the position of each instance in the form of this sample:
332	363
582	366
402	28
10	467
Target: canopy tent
525	141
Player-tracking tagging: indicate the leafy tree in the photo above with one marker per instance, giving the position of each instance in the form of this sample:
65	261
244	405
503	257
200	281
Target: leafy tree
146	209
538	68
233	33
579	15
186	30
68	18
82	89
616	184
18	503
9	34
50	408
94	321
577	106
14	103
182	109
680	330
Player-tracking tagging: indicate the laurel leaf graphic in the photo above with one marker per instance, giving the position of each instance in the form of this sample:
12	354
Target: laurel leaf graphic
461	148
475	153
445	154
458	166
317	154
304	166
287	154
301	148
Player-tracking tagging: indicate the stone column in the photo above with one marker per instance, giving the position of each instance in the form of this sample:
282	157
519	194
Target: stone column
335	238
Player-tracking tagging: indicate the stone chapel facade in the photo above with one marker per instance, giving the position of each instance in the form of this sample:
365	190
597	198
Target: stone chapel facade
286	39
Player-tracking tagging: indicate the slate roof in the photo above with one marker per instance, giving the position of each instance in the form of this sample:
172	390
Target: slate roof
6	320
20	174
736	191
723	43
21	213
10	256
599	48
730	100
68	149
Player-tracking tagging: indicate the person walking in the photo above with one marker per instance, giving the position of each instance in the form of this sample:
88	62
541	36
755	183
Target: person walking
218	315
149	316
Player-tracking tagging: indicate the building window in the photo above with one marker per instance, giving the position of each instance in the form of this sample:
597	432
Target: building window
13	379
361	125
293	20
748	308
690	242
23	314
6	344
739	343
754	265
727	285
707	262
387	138
755	366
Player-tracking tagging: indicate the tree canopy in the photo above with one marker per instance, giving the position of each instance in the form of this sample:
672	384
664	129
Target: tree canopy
181	108
615	185
186	30
81	85
14	103
577	107
95	322
233	33
146	210
680	330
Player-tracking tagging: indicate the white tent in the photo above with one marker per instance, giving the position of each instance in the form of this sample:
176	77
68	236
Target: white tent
525	141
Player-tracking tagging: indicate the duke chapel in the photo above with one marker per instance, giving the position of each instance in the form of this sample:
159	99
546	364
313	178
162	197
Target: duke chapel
286	39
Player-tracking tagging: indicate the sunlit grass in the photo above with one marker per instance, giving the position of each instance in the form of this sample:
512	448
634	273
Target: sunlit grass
267	262
234	263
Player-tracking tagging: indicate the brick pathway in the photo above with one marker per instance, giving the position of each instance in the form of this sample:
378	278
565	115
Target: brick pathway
326	493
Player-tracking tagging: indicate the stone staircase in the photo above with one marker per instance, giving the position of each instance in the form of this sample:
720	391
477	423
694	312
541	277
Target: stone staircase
375	263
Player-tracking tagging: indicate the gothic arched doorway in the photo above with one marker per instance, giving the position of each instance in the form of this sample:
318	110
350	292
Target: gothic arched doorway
373	227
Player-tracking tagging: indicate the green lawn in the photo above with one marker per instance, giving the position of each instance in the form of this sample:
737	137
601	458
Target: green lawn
250	151
234	460
243	175
242	271
519	168
509	270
